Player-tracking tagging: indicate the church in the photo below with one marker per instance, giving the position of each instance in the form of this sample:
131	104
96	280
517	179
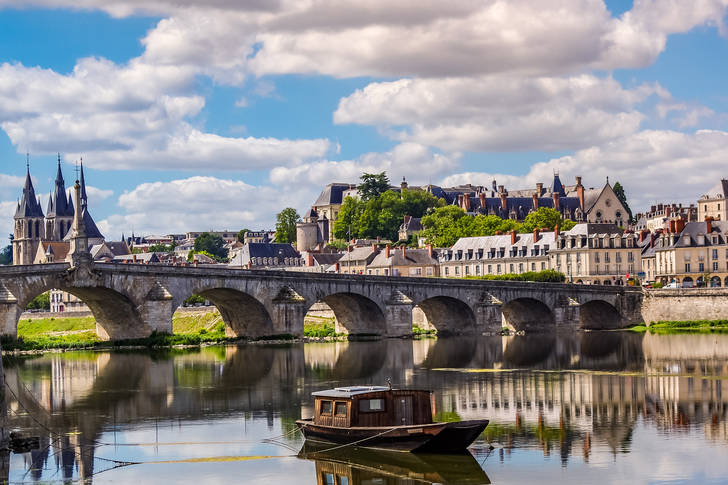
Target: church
45	238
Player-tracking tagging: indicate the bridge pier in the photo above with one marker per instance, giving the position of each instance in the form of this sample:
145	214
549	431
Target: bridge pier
398	315
288	317
488	317
158	309
566	313
9	312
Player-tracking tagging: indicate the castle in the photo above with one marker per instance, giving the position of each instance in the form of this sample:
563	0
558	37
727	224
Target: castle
50	234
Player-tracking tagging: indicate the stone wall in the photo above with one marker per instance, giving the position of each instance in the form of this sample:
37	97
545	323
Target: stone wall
682	304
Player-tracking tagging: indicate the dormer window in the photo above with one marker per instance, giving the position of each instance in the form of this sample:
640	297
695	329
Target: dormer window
686	240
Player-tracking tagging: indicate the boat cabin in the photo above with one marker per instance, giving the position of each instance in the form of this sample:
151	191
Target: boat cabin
346	407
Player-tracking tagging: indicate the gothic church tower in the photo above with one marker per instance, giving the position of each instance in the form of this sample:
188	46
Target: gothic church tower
59	215
29	224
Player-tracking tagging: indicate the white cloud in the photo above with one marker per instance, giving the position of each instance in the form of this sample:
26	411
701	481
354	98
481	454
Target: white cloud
652	165
499	113
121	117
411	160
7	211
202	203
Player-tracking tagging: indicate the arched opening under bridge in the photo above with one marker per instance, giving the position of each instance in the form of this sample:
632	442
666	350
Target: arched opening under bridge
599	315
527	314
446	315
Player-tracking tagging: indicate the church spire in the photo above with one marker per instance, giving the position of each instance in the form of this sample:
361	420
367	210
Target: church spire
60	204
84	197
28	205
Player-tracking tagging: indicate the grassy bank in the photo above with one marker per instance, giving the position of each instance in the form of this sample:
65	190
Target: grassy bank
80	332
691	326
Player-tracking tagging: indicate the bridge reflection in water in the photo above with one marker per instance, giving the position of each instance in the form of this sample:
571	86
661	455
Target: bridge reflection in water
569	396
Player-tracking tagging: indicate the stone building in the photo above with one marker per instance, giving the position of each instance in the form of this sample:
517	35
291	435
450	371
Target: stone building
356	259
659	215
313	233
410	226
404	261
597	254
266	256
713	203
494	255
690	254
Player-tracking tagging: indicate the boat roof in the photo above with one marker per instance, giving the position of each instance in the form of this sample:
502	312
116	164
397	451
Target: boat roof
347	392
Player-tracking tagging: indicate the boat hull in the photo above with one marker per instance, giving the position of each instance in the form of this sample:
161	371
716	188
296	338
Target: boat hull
425	438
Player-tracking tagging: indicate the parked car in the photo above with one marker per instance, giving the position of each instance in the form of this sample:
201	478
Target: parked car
673	284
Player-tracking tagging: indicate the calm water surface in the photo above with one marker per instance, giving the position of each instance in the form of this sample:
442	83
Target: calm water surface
589	407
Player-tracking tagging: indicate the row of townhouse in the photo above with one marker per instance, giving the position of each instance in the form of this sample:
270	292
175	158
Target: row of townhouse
586	254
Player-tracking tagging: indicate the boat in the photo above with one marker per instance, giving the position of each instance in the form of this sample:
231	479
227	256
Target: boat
384	418
365	466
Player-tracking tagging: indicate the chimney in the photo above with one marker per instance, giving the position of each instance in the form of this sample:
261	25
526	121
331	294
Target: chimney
407	219
337	268
556	200
429	250
556	231
195	263
513	237
539	188
652	240
535	201
680	224
580	192
668	211
643	232
498	233
133	258
708	225
460	201
672	226
482	202
404	251
386	251
466	202
504	201
535	235
652	209
309	259
375	248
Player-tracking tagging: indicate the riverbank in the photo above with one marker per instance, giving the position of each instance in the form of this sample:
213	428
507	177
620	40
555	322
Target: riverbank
192	327
687	326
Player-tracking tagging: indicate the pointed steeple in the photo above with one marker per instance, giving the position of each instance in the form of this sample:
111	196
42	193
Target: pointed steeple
84	197
28	205
60	200
557	186
50	209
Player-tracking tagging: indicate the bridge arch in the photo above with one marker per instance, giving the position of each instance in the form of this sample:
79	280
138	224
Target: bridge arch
445	314
117	316
356	314
527	314
599	315
243	314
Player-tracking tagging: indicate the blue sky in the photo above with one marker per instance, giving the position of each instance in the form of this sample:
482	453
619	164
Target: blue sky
192	118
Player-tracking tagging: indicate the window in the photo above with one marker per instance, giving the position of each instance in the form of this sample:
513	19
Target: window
429	272
687	267
447	271
490	268
715	254
329	479
326	407
701	267
715	266
510	268
477	269
520	267
457	270
340	408
467	270
371	405
499	269
543	265
533	266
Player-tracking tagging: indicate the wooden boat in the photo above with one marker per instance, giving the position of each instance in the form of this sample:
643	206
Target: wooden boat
385	418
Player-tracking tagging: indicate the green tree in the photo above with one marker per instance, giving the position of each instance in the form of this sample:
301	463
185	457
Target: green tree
40	302
348	218
162	248
545	217
622	197
241	234
286	221
214	245
441	225
372	185
6	255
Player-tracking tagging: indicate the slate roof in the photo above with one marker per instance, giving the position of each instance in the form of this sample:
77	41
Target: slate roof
358	254
494	244
29	206
413	224
694	229
587	229
60	203
332	194
264	250
412	257
92	232
720	191
140	257
326	259
118	248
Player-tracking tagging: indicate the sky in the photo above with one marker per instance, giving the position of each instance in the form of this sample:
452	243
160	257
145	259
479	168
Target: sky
216	117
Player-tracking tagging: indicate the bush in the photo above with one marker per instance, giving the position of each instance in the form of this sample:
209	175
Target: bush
545	276
40	302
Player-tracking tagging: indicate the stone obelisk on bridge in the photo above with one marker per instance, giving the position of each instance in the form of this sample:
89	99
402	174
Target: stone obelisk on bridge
78	253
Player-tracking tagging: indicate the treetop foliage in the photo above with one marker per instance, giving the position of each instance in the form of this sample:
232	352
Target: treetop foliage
211	244
372	185
445	225
622	197
286	221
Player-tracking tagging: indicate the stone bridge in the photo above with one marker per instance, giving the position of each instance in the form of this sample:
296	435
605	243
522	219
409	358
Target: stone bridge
131	301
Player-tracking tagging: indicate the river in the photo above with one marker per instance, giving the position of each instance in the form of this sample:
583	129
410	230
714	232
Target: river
587	407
